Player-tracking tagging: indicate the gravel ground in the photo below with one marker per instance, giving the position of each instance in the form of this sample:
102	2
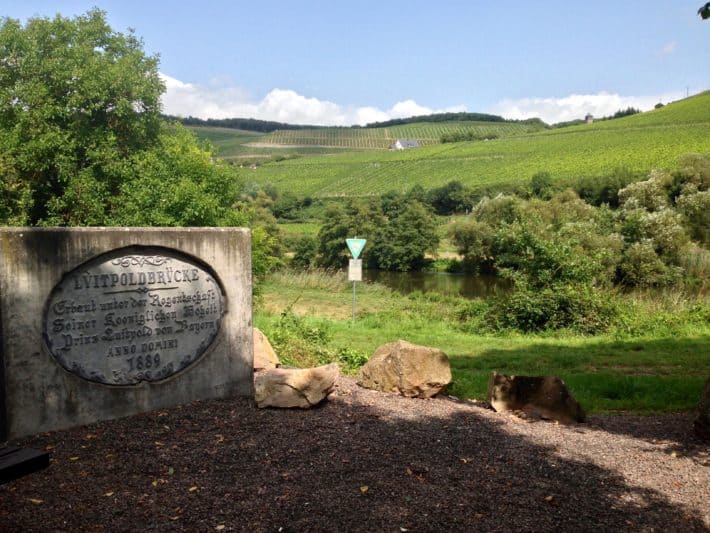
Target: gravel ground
364	461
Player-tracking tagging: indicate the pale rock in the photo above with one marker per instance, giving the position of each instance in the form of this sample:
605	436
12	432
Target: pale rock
264	355
407	369
294	387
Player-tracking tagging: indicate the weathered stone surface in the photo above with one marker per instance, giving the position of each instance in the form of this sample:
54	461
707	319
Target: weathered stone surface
407	369
294	387
101	323
133	314
544	397
702	423
264	355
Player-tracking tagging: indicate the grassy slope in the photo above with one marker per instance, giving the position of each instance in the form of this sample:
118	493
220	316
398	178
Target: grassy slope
641	142
229	142
644	373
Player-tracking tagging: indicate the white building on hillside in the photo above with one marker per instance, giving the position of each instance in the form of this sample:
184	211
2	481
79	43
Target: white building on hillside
404	144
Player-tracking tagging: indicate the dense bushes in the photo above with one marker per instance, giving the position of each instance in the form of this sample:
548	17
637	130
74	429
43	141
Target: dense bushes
400	231
565	255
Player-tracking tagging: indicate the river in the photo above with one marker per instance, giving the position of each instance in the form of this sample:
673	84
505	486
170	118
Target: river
466	285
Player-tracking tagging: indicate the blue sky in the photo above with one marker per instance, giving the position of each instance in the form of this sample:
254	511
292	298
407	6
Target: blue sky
351	62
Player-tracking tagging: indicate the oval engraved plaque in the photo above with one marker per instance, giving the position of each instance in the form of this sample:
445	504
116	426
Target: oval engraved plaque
131	315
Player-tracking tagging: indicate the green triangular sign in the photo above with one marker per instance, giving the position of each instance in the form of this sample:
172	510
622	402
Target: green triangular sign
355	246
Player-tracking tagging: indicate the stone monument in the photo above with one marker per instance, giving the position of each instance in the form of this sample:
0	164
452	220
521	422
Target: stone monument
99	323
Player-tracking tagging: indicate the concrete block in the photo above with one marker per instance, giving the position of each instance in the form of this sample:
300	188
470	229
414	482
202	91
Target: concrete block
100	323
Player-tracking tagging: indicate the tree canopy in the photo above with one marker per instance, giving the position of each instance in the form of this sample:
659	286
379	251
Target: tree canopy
77	100
82	140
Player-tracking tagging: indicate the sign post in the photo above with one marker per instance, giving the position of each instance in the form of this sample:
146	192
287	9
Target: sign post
355	266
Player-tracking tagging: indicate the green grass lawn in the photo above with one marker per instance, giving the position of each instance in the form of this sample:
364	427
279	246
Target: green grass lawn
661	369
300	229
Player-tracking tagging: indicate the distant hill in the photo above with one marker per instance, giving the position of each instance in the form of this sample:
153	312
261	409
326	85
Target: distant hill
381	137
638	143
245	124
267	126
258	139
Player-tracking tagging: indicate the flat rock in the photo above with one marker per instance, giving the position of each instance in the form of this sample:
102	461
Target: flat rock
545	397
264	355
294	387
408	369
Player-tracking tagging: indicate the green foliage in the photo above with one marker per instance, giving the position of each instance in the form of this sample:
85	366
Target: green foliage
695	207
642	267
462	136
541	185
401	244
361	219
398	239
76	101
302	342
82	141
638	143
601	190
649	194
575	306
474	241
452	198
305	252
175	183
289	207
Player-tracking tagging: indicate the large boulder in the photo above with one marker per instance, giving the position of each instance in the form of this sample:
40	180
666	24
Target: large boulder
702	423
294	387
264	355
545	397
407	369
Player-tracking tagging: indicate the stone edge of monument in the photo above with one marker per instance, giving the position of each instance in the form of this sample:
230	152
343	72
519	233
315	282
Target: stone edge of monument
37	394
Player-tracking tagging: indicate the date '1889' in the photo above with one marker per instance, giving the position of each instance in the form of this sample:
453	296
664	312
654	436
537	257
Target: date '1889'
144	362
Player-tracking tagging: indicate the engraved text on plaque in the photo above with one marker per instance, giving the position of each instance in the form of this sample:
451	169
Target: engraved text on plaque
134	314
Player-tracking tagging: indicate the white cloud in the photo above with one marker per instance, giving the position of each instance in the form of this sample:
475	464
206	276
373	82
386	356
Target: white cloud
576	106
668	49
224	100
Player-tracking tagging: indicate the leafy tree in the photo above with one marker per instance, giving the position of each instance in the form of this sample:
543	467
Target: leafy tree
605	189
305	252
474	241
453	197
82	141
403	242
77	100
175	183
355	219
397	241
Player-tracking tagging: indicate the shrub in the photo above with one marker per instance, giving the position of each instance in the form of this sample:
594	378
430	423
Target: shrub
642	267
302	343
305	251
650	194
579	307
474	241
600	190
541	185
695	208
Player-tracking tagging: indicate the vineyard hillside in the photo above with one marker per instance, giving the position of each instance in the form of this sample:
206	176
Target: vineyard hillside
638	143
426	133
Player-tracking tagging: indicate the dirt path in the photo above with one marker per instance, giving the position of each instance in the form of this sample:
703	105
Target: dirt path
365	461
